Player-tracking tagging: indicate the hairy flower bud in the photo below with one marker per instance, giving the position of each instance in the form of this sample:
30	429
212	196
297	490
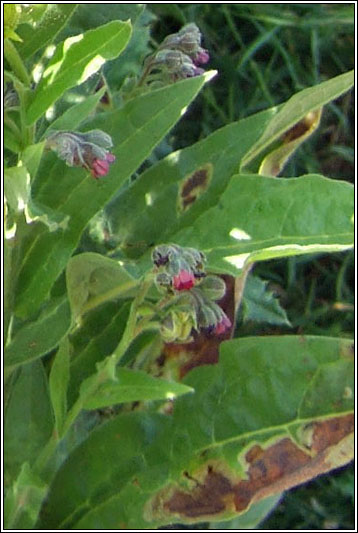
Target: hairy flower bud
184	266
178	64
177	326
213	287
209	315
88	150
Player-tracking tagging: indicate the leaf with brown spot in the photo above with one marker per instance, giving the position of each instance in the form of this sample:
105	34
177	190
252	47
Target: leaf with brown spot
241	437
193	186
274	162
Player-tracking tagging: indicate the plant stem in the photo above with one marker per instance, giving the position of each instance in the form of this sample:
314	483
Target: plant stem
105	370
16	63
109	295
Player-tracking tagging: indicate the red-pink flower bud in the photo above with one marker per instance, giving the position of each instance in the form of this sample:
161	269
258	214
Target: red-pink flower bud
100	167
222	326
183	281
201	57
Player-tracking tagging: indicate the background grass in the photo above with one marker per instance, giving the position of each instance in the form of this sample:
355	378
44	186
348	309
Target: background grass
264	53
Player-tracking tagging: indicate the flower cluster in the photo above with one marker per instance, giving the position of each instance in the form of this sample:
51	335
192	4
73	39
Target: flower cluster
179	272
89	150
178	57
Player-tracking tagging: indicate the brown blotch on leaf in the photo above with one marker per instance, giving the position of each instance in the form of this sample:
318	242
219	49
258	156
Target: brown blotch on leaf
301	128
205	499
270	470
193	186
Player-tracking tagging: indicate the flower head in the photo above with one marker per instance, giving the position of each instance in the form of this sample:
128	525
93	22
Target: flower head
178	57
184	267
88	150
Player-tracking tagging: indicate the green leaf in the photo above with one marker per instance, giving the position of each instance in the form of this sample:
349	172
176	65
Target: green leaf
75	60
51	23
76	113
50	217
28	418
11	141
132	386
296	108
168	197
23	500
37	338
338	377
241	437
132	432
92	279
31	157
17	187
100	332
58	381
142	123
260	304
260	218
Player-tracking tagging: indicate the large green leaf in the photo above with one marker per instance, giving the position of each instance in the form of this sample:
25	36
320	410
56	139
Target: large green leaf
29	419
297	108
23	500
243	435
174	192
38	337
75	60
141	123
261	218
46	29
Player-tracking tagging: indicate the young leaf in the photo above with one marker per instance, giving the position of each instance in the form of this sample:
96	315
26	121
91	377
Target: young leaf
261	218
92	279
141	123
260	304
296	108
75	60
132	386
51	23
58	381
23	500
37	338
241	437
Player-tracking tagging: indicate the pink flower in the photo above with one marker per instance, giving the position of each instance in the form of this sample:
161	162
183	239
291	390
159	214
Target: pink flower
100	167
201	57
183	281
222	326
